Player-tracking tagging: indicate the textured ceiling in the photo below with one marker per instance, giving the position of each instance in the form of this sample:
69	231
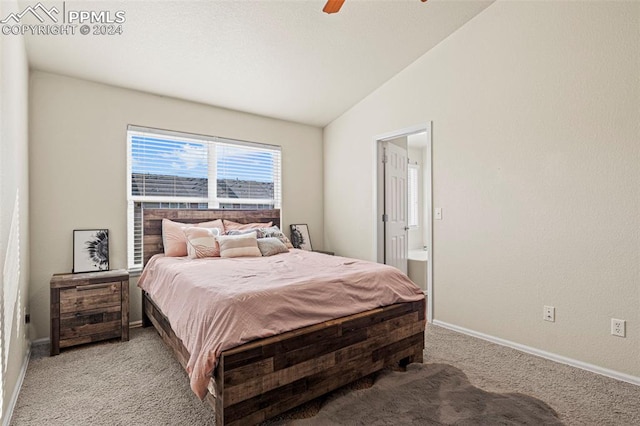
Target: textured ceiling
282	59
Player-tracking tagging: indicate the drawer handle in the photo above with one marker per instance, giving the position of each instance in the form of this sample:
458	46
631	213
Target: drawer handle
92	286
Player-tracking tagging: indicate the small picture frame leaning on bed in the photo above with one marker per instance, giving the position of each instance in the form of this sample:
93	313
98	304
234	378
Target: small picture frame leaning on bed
90	250
300	237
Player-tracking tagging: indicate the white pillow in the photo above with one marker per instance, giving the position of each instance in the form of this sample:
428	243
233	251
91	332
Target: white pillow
245	245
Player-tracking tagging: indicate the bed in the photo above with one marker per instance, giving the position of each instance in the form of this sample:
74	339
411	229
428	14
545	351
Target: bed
268	376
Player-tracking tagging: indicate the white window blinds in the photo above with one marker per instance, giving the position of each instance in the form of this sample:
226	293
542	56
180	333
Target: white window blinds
181	170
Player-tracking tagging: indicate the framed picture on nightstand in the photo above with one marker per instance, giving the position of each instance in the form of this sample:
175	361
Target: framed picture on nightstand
300	237
90	250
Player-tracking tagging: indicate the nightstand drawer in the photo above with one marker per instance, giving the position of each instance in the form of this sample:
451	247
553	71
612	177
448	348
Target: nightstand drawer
88	297
91	322
90	333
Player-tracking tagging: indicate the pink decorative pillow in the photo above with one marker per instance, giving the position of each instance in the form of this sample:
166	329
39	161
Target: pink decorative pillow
235	226
201	242
174	240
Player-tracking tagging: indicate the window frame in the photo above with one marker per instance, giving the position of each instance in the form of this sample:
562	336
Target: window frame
212	200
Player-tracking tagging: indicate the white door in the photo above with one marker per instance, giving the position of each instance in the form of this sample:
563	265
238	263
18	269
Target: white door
395	206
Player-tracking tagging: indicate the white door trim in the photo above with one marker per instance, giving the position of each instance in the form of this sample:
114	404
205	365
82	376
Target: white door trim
428	192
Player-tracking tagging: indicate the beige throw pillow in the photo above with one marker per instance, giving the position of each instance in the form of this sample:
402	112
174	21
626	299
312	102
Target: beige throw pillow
245	245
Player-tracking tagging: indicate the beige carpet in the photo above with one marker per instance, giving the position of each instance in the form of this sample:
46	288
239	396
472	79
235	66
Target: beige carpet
139	382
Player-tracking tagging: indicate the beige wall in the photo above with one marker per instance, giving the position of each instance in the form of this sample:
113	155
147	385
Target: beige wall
78	168
14	73
535	109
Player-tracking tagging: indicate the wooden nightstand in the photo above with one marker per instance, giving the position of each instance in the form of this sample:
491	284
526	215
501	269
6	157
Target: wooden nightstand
88	307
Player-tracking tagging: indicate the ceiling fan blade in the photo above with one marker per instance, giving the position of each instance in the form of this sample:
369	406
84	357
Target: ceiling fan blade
333	6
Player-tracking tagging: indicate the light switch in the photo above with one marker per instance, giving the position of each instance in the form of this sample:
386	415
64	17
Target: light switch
438	213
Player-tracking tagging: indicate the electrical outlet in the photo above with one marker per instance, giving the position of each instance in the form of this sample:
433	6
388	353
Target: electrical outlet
549	313
618	327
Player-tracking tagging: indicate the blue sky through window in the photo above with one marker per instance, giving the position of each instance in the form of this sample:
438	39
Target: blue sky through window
190	159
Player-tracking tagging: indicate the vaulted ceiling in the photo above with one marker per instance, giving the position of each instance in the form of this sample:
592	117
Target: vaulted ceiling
284	59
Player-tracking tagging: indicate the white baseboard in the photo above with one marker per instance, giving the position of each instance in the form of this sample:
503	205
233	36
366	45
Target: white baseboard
42	341
135	324
543	354
16	390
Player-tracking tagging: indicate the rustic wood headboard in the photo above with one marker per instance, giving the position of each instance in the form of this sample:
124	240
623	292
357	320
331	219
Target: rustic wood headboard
152	222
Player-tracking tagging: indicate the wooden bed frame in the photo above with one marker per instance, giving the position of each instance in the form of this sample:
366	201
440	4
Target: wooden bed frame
266	377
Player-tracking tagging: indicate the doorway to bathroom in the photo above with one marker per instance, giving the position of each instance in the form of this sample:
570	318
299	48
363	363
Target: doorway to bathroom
404	205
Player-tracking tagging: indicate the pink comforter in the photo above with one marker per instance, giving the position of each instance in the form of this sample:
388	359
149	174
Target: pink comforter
215	304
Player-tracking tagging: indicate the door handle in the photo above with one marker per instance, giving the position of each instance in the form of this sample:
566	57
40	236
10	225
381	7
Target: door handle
406	228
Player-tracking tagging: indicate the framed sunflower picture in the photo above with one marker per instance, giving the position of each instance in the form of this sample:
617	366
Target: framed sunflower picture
90	250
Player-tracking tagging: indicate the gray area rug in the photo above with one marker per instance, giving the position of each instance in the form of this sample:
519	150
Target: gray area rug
431	394
140	383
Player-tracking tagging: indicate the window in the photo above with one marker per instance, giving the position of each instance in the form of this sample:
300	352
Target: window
181	170
413	197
